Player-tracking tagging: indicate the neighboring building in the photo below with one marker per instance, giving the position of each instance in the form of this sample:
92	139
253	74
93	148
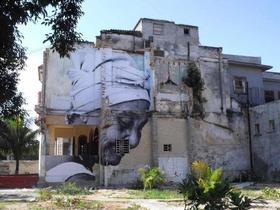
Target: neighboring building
246	74
271	82
265	129
95	105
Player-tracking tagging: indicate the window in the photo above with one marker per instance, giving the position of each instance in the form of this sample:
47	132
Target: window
239	85
158	29
186	31
122	146
271	125
63	146
59	146
257	129
159	53
167	147
268	95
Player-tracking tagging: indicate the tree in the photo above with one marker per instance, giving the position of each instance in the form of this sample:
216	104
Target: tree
194	80
61	15
16	138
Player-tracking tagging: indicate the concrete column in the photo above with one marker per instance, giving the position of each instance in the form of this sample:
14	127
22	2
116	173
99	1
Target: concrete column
42	158
154	142
105	110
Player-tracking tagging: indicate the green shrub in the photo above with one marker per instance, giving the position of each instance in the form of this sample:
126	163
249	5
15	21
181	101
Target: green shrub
45	194
205	186
239	201
151	177
71	188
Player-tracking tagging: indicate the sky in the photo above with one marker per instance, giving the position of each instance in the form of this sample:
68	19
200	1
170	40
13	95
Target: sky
250	27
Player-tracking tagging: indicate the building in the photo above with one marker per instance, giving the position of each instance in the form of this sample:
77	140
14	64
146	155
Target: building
122	103
265	129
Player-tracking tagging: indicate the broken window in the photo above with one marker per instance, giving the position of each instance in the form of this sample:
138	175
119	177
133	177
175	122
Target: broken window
159	53
239	85
268	95
167	147
271	125
158	29
122	146
186	31
257	129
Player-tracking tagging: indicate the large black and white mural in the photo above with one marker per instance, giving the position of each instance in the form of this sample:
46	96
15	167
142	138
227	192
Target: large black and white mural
106	89
119	82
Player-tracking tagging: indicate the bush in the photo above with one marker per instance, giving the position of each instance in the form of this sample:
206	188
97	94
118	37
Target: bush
205	186
71	188
151	177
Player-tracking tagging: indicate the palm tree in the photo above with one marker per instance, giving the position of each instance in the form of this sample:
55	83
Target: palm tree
16	138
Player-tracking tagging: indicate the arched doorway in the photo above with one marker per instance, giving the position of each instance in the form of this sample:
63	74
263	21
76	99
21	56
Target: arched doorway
93	142
83	146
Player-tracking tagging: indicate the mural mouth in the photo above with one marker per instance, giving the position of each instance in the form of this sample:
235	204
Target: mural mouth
109	155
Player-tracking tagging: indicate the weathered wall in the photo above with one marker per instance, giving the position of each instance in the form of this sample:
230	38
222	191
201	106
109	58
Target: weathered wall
172	40
25	166
220	146
174	163
266	144
127	171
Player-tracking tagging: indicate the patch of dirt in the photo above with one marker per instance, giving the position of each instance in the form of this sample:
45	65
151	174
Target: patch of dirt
108	193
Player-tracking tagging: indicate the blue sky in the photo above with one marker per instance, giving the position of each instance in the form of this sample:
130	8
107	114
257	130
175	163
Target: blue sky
246	27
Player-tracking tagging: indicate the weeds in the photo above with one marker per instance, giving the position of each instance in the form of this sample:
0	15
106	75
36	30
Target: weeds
270	193
155	194
76	203
71	188
45	194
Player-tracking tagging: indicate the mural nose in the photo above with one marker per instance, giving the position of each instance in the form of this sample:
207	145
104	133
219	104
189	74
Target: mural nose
133	140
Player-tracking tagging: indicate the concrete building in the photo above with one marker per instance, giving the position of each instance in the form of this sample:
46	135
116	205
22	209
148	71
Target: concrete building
265	129
147	66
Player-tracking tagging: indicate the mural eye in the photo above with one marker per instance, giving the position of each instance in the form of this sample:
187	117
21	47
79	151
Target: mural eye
125	122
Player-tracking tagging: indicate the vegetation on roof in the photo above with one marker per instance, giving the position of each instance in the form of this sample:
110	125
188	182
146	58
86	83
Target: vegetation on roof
125	32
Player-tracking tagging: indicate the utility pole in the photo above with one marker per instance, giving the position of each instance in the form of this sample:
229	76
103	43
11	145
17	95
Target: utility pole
249	129
105	110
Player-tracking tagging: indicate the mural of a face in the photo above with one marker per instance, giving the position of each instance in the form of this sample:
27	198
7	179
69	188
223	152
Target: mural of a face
125	80
128	119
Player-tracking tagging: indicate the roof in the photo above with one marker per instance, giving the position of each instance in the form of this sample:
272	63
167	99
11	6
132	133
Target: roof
271	76
162	21
253	65
248	61
124	32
